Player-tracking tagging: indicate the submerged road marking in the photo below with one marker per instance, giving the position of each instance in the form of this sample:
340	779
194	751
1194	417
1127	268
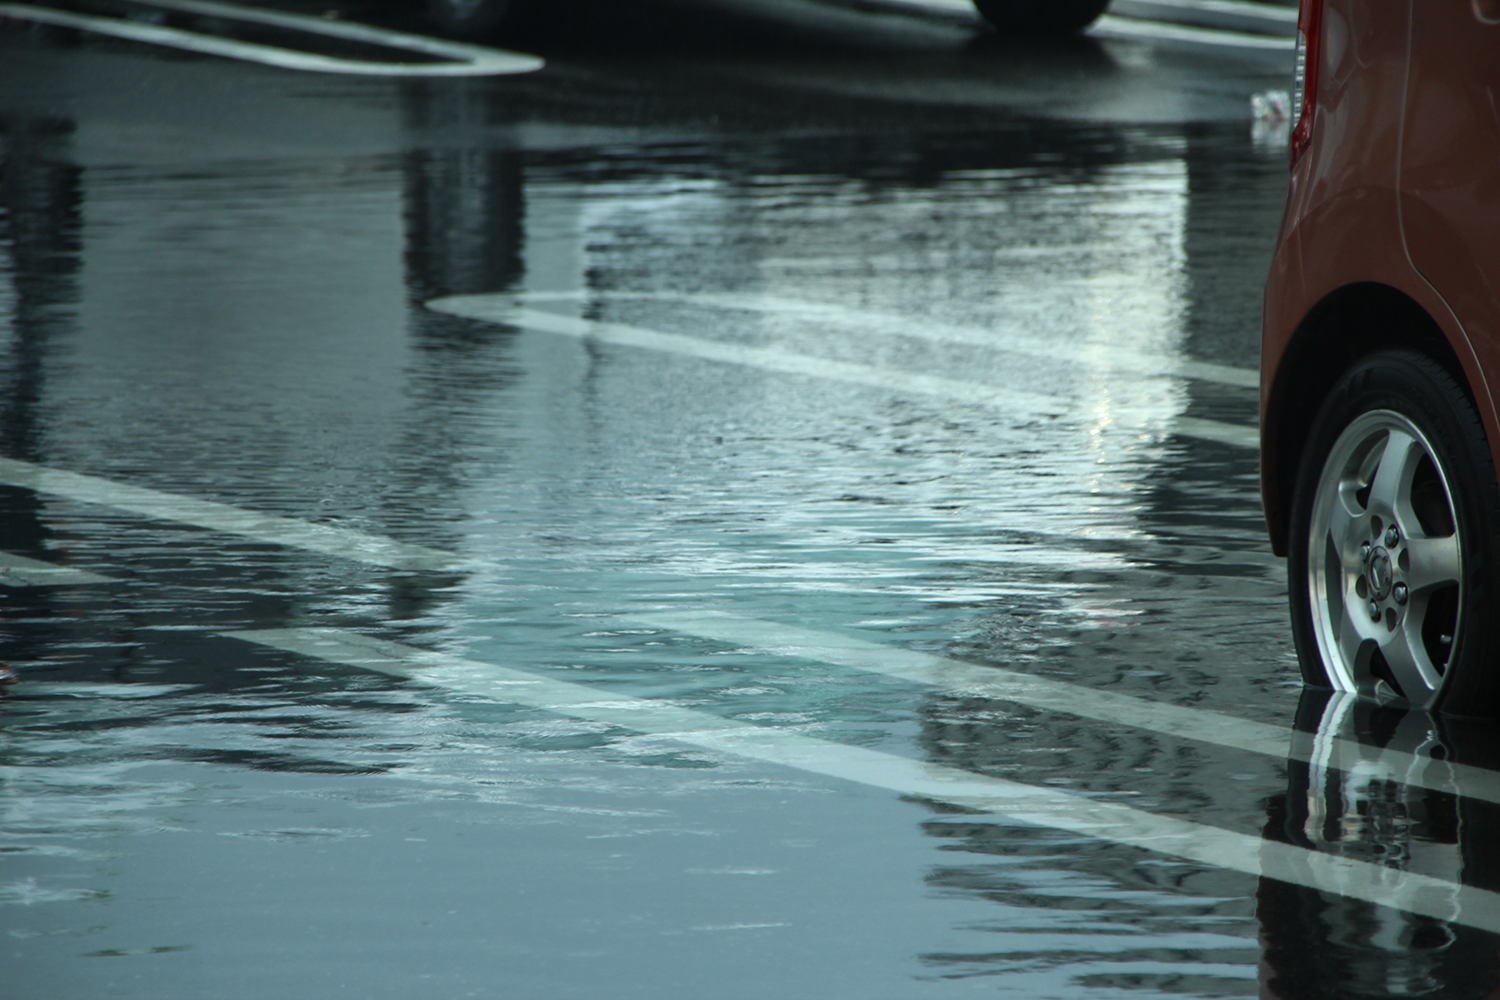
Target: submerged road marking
1238	435
18	571
1137	23
863	320
346	543
1110	26
859	654
829	647
502	309
766	358
458	59
1196	724
1421	894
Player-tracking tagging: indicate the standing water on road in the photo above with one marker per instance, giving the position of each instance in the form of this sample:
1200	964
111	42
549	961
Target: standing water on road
461	539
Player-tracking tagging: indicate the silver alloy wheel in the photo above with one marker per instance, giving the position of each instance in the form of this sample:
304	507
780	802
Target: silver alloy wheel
1384	566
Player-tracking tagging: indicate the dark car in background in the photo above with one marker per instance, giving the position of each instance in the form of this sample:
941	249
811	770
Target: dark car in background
1381	349
478	19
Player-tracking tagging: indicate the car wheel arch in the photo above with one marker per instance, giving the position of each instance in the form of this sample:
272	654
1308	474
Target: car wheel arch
1345	326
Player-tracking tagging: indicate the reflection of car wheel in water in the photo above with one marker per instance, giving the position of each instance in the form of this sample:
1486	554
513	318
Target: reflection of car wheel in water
1393	541
1359	795
1041	15
467	18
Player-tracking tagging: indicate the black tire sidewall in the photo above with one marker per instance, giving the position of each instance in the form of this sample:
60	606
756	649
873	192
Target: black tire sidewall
1432	399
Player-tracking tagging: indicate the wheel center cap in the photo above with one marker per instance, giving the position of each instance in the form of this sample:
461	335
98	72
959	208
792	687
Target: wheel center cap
1380	575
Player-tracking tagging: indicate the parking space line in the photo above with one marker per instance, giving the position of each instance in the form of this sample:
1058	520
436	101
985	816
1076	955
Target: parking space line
1110	26
766	358
1255	18
1009	800
503	309
1153	20
18	571
1179	723
866	320
853	653
457	58
1239	435
346	543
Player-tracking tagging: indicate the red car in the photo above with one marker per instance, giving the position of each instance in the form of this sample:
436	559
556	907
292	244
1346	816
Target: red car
1380	436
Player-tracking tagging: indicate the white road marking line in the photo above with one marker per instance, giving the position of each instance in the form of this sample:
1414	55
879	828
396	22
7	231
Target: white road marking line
502	309
949	333
829	647
18	571
460	59
1226	15
1113	708
345	543
960	9
1153	30
1110	26
1239	435
1047	807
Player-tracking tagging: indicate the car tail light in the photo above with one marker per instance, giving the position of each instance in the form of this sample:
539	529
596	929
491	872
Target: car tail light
1305	76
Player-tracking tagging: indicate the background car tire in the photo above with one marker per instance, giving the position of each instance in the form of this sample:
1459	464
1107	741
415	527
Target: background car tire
468	19
1041	15
1397	444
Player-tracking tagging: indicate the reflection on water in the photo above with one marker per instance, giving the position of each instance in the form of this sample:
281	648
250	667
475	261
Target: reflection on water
251	330
1377	808
41	195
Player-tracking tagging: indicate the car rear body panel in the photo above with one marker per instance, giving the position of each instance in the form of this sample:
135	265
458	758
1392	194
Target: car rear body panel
1342	221
1399	188
1450	178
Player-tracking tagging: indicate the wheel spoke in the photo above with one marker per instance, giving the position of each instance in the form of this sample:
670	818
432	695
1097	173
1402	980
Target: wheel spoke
1390	490
1346	531
1433	562
1409	665
1353	633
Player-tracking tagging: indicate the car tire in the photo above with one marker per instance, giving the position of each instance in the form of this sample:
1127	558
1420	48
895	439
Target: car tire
1395	534
1041	15
468	19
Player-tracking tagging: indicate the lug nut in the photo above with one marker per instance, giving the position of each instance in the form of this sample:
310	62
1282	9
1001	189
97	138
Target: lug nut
1365	550
1392	537
1374	612
1400	593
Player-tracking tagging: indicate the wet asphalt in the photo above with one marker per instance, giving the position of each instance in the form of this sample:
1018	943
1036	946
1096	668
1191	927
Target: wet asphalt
641	494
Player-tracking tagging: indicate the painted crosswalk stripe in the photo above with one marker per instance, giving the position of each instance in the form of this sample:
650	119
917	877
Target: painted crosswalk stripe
346	543
503	309
1010	800
1112	708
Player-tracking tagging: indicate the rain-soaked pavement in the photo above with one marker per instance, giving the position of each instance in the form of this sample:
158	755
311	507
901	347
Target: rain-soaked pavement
761	507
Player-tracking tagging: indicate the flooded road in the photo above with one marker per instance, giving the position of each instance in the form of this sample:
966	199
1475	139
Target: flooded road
734	513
